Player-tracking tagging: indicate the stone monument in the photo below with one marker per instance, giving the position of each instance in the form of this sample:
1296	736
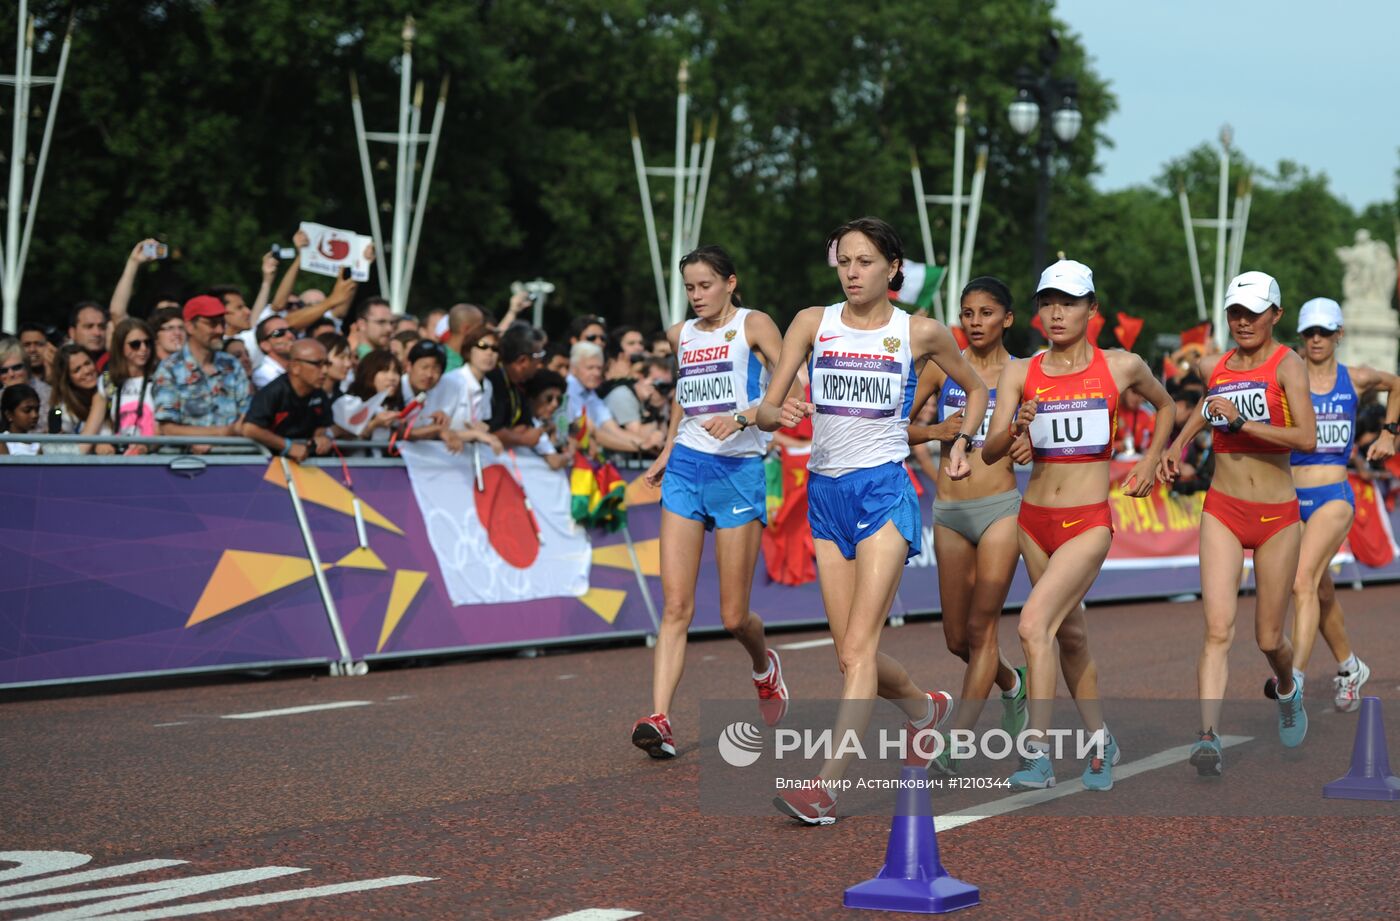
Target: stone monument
1368	286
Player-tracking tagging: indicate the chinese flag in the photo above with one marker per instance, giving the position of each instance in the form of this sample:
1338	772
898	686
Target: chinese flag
1369	538
788	553
1197	334
1127	330
960	336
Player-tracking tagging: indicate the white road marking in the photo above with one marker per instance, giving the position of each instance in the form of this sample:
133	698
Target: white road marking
176	723
1071	787
597	914
567	677
808	644
399	697
292	711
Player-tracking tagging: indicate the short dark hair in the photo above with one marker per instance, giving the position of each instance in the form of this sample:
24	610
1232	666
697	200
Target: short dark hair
15	394
367	304
405	336
79	307
426	348
994	287
223	291
368	369
579	324
521	339
325	324
543	380
879	232
615	337
261	333
29	326
334	342
162	315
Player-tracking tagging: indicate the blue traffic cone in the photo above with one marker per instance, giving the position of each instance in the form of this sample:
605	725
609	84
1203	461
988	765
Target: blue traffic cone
913	879
1369	777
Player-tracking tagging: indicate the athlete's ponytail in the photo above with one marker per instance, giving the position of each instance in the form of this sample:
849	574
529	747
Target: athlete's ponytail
717	259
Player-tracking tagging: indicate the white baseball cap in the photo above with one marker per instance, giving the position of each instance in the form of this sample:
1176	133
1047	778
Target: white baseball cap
1320	311
1073	278
1254	291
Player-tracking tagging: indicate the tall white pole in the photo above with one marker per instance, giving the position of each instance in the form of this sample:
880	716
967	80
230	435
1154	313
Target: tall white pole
1190	228
678	216
401	204
370	202
43	160
1222	214
425	182
974	211
415	122
698	217
955	247
922	204
692	187
662	301
17	144
1240	225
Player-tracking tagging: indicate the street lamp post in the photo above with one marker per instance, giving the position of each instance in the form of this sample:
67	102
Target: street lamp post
1049	102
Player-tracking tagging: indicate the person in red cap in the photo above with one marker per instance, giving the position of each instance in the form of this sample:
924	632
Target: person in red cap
201	390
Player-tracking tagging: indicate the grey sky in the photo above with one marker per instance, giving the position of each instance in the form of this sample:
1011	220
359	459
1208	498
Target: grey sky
1313	82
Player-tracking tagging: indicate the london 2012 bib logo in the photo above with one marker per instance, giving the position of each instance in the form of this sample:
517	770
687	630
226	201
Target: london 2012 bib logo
891	344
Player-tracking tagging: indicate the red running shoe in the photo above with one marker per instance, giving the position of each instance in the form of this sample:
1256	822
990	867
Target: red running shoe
811	805
652	734
919	736
772	692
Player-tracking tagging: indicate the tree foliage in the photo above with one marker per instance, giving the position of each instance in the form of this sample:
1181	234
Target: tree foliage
219	126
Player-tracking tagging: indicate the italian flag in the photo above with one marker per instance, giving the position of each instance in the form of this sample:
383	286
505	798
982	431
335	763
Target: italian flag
920	284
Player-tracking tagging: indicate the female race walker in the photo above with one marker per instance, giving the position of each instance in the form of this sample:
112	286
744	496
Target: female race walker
974	534
1325	500
1258	406
864	516
1070	393
712	467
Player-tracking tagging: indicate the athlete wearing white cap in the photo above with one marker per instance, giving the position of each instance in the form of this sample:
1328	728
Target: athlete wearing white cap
1326	503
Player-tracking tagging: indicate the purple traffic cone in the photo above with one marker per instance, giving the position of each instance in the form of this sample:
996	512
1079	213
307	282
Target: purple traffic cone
1369	777
912	878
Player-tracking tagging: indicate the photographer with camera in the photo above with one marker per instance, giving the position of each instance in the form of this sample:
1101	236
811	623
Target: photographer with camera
148	250
641	404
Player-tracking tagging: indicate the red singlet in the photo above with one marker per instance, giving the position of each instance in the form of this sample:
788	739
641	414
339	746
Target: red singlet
1076	415
1258	397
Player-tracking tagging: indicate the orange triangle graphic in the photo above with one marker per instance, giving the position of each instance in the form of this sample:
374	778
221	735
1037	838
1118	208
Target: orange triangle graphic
648	556
407	582
639	493
605	602
362	558
316	486
242	576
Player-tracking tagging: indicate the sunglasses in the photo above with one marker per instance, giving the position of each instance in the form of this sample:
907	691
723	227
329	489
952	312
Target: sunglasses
11	369
487	348
138	343
320	363
277	333
1318	332
295	303
596	337
214	322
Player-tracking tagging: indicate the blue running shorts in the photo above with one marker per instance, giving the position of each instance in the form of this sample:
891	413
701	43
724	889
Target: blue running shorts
1312	498
715	489
847	509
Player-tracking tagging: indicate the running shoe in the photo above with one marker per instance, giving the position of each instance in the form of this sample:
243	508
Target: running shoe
811	805
1098	773
1034	774
1013	709
1348	684
772	692
652	734
1206	756
1292	718
920	739
944	763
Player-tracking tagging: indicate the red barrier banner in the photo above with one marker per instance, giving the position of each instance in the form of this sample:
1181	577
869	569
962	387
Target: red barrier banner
1164	527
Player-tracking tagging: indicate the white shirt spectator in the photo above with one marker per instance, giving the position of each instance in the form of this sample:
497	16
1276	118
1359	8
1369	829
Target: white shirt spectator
580	399
474	398
267	372
134	409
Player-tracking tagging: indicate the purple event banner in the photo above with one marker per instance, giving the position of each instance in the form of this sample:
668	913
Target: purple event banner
109	570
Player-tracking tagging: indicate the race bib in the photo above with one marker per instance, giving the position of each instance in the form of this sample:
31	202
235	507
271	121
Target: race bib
1333	432
1070	428
707	388
1251	398
956	401
854	386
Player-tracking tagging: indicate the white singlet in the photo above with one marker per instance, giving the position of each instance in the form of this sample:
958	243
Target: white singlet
863	388
719	373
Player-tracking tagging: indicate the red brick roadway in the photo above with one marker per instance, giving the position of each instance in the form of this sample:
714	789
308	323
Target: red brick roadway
510	784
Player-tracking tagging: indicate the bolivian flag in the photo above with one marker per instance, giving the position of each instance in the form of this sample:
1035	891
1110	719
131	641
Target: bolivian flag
598	494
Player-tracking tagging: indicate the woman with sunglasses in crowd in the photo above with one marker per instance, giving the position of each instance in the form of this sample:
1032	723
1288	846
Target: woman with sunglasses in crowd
1259	411
711	476
1325	500
14	370
470	415
126	384
78	407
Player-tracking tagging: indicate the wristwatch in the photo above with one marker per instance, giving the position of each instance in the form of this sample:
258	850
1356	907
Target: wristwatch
1392	427
743	421
1237	423
962	435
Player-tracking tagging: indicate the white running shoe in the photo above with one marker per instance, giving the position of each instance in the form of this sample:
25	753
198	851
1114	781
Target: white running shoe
1348	695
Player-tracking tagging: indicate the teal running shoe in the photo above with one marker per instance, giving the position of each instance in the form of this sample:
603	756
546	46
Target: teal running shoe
1292	718
1098	773
1013	709
945	764
1034	774
1206	755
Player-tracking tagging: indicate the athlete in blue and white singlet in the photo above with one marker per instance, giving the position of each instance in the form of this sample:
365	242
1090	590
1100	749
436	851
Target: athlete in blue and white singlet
863	355
712	479
1325	500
